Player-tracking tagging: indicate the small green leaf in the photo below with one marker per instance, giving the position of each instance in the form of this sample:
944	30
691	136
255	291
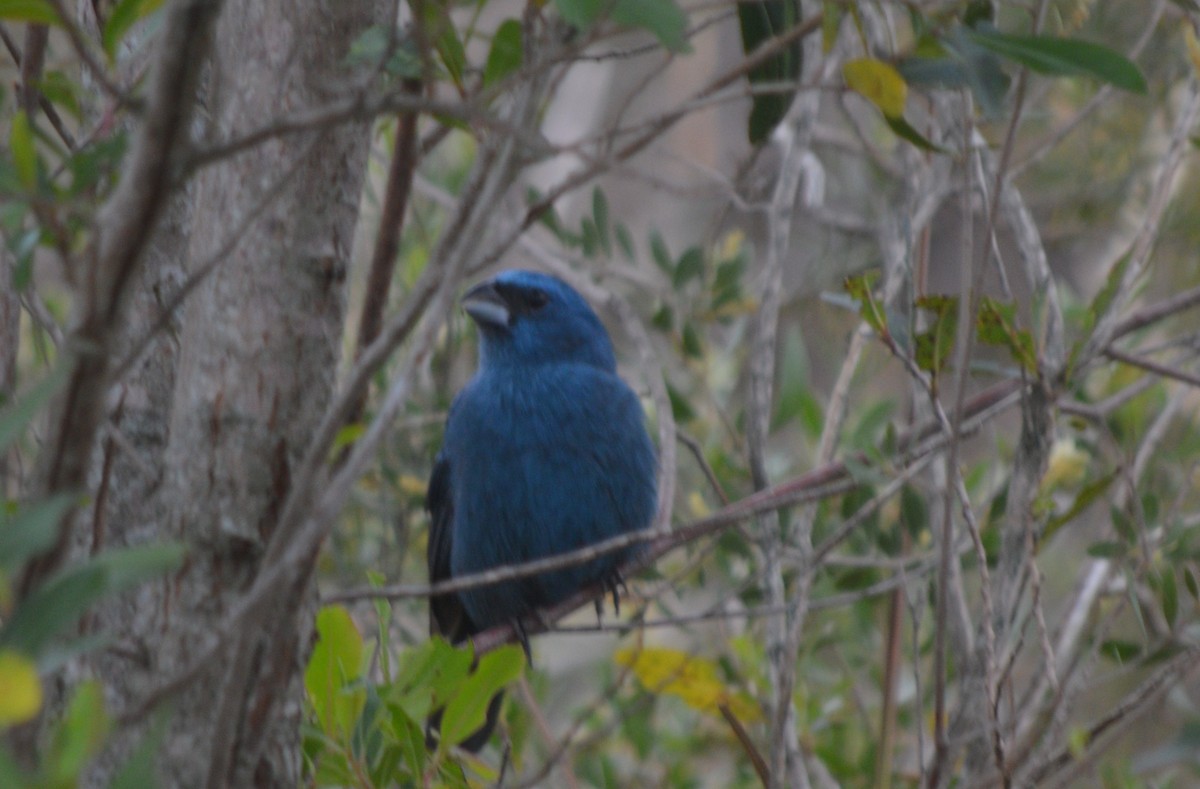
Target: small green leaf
52	608
662	18
659	251
581	14
933	346
689	267
35	11
1120	651
59	602
1106	550
859	288
681	408
600	217
1168	593
80	735
625	242
16	417
31	531
1064	57
125	15
997	326
904	130
336	662
792	378
1189	580
24	154
760	22
1087	495
507	53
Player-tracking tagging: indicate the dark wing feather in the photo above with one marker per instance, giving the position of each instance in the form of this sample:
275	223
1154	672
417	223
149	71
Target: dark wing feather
446	615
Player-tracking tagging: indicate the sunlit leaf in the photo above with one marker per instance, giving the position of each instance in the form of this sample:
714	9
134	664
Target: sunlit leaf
24	154
36	11
466	711
877	82
20	688
694	680
336	662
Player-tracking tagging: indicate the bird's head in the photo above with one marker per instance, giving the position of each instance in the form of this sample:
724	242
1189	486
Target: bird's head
530	318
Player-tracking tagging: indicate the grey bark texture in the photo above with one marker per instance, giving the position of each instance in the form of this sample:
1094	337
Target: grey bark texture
220	405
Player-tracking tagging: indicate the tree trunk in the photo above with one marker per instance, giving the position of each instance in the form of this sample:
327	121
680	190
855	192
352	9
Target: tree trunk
216	412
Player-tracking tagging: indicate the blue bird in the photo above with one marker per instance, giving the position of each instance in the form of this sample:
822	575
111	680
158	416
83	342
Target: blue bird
545	452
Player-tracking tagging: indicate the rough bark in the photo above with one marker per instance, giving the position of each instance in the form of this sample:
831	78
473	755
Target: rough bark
219	407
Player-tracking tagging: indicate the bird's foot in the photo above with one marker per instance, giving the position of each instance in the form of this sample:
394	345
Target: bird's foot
615	584
523	639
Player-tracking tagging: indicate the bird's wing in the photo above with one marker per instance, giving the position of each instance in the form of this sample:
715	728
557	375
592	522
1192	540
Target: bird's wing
446	615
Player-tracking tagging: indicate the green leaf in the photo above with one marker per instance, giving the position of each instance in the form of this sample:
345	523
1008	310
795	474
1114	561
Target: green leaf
465	713
997	326
446	42
125	15
904	130
140	770
760	22
600	217
581	14
24	154
16	417
1087	495
1189	580
80	735
1064	57
1168	593
1120	651
507	52
681	408
689	267
35	11
31	531
336	662
129	567
1106	550
859	288
792	380
660	252
59	602
52	608
933	346
662	18
625	242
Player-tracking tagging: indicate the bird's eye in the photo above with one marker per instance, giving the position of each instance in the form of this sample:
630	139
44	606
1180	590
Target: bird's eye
537	298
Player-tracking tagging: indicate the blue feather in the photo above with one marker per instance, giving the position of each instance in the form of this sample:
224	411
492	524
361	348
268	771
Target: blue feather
545	452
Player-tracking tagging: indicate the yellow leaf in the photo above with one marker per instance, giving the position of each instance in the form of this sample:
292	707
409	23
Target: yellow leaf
1067	465
878	83
1193	46
20	688
413	486
692	679
697	505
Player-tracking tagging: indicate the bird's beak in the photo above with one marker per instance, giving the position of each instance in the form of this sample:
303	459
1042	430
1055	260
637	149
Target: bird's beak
486	306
